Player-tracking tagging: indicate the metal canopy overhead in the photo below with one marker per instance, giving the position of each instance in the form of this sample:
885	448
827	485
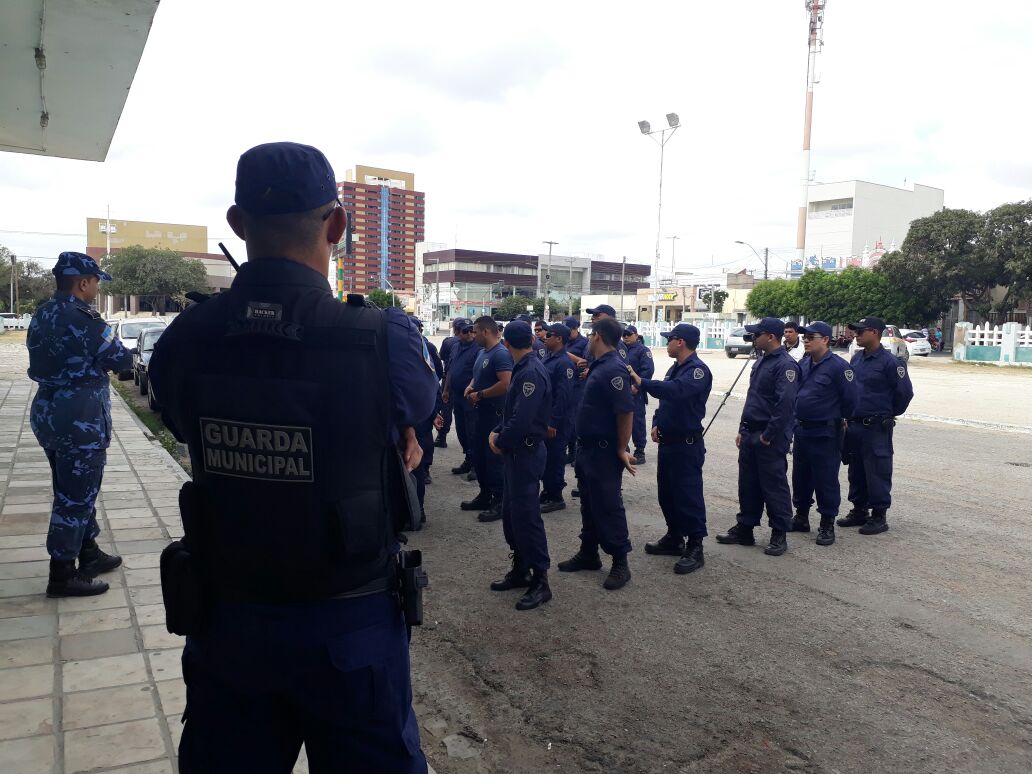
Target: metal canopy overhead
66	67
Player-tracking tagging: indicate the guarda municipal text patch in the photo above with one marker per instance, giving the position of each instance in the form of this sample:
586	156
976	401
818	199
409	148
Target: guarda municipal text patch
262	452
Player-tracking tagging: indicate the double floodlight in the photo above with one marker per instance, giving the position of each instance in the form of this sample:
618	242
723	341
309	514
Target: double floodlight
672	120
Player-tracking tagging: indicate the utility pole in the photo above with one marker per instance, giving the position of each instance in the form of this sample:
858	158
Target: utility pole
674	124
623	269
673	254
569	282
815	10
437	303
766	257
548	274
14	280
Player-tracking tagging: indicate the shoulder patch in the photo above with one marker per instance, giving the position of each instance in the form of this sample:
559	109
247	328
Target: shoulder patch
698	373
617	382
569	373
901	371
648	353
484	365
790	374
623	353
528	389
109	334
849	374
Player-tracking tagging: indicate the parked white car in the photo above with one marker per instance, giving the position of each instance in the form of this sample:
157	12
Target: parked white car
735	345
128	331
891	340
16	322
917	342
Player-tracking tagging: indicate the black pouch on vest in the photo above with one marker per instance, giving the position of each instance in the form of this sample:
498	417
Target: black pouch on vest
185	594
401	493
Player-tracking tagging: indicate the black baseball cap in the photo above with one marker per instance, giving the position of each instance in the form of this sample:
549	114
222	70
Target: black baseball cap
560	330
603	309
771	325
519	334
868	322
819	327
684	331
278	178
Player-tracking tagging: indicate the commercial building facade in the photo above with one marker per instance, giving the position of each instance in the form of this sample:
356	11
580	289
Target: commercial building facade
388	219
849	223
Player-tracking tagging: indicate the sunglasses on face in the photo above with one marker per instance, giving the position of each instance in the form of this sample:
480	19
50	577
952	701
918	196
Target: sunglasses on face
336	204
813	337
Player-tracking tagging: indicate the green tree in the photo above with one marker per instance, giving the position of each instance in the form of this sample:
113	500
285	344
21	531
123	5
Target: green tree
774	298
154	274
913	295
383	298
509	307
1007	240
35	284
714	299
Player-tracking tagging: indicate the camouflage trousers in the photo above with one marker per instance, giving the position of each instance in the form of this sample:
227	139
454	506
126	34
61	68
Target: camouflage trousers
76	478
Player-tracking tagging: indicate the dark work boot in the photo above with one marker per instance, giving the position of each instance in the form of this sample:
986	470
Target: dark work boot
471	476
553	504
584	559
826	532
738	535
481	501
93	561
876	524
619	574
856	517
462	469
441	442
668	545
574	493
692	559
492	513
543	496
537	594
778	543
639	456
517	578
426	479
66	581
801	521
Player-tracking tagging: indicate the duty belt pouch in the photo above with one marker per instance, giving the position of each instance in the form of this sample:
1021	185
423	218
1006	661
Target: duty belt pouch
401	493
186	596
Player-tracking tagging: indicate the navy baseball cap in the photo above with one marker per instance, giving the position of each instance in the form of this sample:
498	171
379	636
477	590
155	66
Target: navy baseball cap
818	327
78	264
629	330
770	325
868	322
278	178
688	333
603	309
560	330
519	334
462	324
571	323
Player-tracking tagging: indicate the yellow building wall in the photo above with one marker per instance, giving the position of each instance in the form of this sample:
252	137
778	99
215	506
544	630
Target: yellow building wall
173	236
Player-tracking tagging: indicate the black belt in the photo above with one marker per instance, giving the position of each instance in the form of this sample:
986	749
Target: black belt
755	425
379	585
529	443
597	443
871	421
814	424
687	438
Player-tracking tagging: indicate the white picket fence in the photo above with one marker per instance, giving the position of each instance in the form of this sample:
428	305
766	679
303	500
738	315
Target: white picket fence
1009	344
713	333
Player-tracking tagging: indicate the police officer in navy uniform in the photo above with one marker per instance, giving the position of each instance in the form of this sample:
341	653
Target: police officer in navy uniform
561	379
294	407
518	441
639	357
538	343
441	442
885	392
603	433
677	428
763	440
486	392
826	398
425	429
606	312
577	352
457	375
71	349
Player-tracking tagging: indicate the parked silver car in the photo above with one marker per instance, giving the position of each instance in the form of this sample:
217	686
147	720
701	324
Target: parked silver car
736	345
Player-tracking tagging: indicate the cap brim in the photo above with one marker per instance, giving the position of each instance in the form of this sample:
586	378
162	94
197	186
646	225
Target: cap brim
104	276
666	334
856	326
753	329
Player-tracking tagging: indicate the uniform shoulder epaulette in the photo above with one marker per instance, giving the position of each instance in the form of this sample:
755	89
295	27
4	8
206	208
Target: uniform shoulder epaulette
356	299
90	312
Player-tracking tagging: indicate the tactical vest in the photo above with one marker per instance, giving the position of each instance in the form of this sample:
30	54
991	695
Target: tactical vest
289	434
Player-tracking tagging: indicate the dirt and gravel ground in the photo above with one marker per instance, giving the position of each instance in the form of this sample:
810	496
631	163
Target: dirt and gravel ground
908	651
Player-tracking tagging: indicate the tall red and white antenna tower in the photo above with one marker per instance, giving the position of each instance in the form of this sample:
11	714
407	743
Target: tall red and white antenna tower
815	10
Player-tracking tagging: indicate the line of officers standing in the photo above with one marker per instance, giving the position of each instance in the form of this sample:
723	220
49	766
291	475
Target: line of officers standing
535	397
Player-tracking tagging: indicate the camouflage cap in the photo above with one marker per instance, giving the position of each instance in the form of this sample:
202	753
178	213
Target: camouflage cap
71	264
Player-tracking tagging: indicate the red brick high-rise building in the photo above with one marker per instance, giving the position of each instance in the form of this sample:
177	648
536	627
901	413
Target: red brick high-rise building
388	217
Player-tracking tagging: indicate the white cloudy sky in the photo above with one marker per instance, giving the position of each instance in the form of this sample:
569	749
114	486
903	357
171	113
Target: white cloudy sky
519	119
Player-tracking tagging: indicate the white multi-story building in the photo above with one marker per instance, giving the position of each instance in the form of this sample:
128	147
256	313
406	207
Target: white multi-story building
846	221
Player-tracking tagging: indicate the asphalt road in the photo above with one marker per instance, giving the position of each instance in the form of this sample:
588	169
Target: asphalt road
908	651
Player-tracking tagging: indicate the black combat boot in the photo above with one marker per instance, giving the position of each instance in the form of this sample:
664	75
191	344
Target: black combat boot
619	574
856	517
482	500
574	492
778	543
427	481
94	562
66	581
801	521
537	594
739	535
692	558
543	497
441	442
639	456
826	532
876	524
668	545
584	559
492	513
462	469
553	504
517	578
471	476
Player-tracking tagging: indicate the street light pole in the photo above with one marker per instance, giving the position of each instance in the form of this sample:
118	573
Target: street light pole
674	123
569	299
673	254
548	274
765	258
623	270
